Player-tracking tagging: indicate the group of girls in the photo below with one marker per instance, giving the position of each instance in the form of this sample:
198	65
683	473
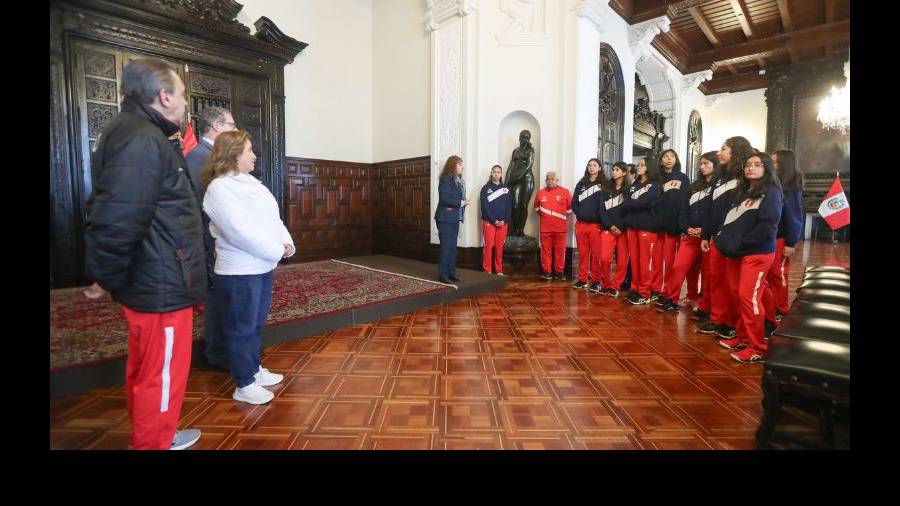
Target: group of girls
734	228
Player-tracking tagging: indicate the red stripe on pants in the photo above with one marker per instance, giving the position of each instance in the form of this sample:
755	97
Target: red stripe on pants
154	413
609	244
641	244
494	237
703	301
688	258
722	310
553	252
778	277
587	236
665	258
749	274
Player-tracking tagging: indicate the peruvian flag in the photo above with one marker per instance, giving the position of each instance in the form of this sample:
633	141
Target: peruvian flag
835	208
189	139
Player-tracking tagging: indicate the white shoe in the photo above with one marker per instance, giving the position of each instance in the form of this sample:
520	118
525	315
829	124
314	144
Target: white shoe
266	378
501	274
252	394
185	439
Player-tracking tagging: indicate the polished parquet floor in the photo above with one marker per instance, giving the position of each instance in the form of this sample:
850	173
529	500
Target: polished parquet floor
536	366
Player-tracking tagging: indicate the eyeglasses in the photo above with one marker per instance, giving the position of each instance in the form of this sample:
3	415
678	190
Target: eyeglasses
229	123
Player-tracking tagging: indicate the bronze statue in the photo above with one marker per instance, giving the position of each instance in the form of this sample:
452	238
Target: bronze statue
520	180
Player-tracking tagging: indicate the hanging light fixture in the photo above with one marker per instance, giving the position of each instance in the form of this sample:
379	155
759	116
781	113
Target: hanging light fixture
834	110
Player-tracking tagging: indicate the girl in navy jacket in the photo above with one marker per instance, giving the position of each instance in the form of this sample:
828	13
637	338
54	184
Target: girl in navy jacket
674	196
747	236
640	218
613	238
586	204
723	313
496	213
788	229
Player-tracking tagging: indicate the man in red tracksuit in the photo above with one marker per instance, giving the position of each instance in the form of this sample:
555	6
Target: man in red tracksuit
553	204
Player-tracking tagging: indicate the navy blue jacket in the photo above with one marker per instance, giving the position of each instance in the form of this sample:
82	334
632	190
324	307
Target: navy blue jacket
640	206
675	194
450	197
693	213
750	226
722	198
495	203
791	217
612	210
588	209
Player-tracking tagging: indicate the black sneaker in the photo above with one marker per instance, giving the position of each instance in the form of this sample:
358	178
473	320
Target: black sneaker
579	285
595	288
546	275
560	276
699	315
636	299
708	328
654	296
660	300
770	328
668	307
778	316
726	332
612	292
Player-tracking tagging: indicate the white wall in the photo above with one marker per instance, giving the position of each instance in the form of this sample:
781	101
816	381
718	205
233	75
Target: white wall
329	87
741	113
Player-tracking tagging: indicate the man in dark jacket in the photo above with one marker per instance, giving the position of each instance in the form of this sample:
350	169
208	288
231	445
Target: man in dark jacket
144	245
210	122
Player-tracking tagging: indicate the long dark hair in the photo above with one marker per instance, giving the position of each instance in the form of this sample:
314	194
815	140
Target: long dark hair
701	183
611	183
492	170
676	167
601	174
740	151
745	190
790	175
653	174
450	166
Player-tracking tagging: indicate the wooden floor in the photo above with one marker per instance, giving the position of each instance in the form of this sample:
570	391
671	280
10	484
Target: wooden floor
536	366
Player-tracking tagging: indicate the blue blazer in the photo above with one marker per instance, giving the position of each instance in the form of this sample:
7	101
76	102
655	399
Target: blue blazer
450	197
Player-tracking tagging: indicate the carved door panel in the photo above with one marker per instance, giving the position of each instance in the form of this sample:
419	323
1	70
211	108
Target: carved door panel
695	143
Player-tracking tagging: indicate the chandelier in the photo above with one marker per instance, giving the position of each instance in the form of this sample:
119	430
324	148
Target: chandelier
834	111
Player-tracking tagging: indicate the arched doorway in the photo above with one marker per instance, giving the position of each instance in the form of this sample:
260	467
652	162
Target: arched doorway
612	109
694	145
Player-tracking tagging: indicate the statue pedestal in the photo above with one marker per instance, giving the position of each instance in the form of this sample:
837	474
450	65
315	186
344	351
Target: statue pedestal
521	255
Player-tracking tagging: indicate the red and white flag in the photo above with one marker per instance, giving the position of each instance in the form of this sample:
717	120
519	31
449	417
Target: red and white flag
189	139
835	208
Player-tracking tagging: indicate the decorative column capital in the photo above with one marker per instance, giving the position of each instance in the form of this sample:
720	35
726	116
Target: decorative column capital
714	100
439	11
595	11
641	35
691	81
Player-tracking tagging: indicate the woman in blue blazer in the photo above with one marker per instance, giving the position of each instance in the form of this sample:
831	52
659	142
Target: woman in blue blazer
449	214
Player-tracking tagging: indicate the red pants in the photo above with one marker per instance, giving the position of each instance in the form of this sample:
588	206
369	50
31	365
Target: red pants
494	237
703	302
722	308
587	236
667	245
609	244
778	278
641	244
553	252
747	277
687	260
159	359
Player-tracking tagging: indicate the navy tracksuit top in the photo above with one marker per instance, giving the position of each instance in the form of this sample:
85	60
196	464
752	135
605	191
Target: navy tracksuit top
640	206
722	198
675	194
791	217
586	201
612	211
750	225
693	214
495	203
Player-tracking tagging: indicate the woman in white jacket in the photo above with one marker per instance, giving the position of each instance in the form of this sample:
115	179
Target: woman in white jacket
250	240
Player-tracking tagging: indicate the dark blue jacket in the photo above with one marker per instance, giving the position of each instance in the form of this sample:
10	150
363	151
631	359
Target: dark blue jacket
495	203
588	208
612	211
791	217
675	194
750	226
640	206
722	198
693	213
450	197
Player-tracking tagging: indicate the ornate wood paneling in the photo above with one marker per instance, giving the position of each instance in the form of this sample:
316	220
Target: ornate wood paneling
328	208
401	208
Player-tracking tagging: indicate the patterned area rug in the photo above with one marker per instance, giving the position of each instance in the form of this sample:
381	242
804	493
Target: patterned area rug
84	332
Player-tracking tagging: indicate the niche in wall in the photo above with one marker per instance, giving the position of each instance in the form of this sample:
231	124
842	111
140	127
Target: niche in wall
510	127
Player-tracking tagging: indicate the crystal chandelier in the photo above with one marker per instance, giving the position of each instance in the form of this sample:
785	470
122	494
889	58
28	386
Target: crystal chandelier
834	111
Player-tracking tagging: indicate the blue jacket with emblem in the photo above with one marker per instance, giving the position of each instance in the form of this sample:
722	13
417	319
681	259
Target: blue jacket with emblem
495	203
791	217
750	225
675	195
640	206
587	201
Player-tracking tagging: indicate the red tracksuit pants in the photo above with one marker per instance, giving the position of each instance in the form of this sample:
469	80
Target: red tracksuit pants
553	252
703	302
778	278
667	246
641	244
159	359
747	278
722	308
609	244
494	237
687	261
587	235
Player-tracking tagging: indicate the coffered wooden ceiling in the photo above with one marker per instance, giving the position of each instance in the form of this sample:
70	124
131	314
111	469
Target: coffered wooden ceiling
737	39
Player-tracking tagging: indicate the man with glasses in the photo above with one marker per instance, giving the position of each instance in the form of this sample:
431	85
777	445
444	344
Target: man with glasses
211	122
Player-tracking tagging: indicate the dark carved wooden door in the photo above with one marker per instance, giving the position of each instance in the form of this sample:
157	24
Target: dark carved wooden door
612	109
695	145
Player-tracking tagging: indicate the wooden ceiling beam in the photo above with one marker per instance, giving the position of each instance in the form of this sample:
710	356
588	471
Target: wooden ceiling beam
785	16
733	84
740	11
704	25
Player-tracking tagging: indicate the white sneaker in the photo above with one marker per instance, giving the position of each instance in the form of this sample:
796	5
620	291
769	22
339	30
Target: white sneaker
252	394
184	439
266	378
